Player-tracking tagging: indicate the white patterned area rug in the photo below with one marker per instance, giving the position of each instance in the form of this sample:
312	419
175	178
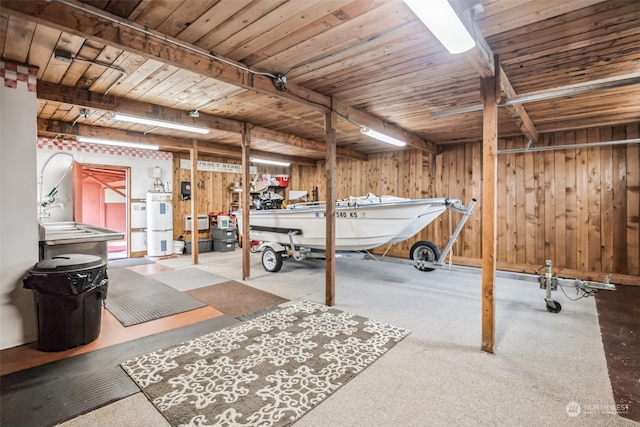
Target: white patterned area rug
268	371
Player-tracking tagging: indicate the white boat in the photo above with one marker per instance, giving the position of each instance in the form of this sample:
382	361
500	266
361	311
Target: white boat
362	223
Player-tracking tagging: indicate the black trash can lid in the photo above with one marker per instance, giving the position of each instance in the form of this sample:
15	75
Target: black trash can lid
68	262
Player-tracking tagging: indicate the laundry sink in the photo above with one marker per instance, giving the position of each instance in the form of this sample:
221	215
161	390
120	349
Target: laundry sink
58	238
58	233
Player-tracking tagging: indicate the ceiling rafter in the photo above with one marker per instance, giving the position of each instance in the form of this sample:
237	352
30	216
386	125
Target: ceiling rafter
106	184
590	86
258	132
129	36
96	101
93	100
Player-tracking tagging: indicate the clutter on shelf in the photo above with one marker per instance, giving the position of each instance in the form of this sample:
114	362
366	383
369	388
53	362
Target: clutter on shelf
274	180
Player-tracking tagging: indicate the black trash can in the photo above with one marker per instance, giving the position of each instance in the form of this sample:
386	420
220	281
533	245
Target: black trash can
69	291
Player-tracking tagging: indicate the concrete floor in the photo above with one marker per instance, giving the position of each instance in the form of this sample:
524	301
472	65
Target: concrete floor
543	363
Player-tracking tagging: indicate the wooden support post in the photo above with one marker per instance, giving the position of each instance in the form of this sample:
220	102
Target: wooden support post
244	205
330	219
194	195
488	87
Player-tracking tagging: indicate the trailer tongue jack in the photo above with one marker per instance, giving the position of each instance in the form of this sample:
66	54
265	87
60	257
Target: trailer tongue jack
584	288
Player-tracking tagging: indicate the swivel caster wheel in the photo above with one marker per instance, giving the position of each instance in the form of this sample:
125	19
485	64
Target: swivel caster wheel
553	306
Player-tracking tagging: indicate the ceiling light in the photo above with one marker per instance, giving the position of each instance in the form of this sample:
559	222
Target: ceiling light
444	23
382	137
160	123
270	162
116	143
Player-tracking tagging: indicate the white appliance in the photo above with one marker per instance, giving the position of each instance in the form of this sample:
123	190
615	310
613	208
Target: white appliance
159	224
203	222
138	215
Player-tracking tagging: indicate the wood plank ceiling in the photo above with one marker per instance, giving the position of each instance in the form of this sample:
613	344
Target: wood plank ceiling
279	64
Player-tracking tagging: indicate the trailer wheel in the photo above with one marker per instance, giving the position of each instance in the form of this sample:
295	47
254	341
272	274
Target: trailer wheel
554	307
271	260
424	250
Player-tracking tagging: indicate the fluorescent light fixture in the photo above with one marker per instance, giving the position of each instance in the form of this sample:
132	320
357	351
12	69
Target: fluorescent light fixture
160	123
382	137
444	23
270	162
93	140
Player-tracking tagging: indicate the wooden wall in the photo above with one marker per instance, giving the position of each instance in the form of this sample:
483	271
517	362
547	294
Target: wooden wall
213	188
580	208
399	173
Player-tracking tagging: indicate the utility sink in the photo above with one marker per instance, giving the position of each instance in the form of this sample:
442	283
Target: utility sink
58	238
58	233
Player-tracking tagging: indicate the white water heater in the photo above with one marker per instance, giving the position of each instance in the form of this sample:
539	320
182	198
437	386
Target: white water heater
159	224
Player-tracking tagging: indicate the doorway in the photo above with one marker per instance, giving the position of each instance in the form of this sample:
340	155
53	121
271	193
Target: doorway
101	198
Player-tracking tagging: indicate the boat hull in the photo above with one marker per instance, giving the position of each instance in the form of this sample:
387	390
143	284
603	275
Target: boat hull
358	227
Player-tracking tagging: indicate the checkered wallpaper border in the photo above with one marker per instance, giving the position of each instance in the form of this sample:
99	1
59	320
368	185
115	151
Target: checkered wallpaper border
83	147
14	75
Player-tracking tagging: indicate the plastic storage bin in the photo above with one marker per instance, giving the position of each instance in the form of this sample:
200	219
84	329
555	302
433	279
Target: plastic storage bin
223	233
204	245
224	245
69	291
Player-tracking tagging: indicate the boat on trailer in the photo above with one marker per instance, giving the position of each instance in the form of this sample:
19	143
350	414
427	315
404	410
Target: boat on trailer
367	222
362	223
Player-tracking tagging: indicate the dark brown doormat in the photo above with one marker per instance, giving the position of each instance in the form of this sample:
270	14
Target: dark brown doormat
619	314
236	299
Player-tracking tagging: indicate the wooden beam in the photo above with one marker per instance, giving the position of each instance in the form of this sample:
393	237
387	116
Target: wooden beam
109	103
365	120
244	205
517	111
54	127
489	92
330	219
100	27
295	141
482	59
194	197
267	155
555	93
481	56
115	190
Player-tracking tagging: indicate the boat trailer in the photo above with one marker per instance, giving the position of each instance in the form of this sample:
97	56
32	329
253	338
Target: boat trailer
584	288
426	255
